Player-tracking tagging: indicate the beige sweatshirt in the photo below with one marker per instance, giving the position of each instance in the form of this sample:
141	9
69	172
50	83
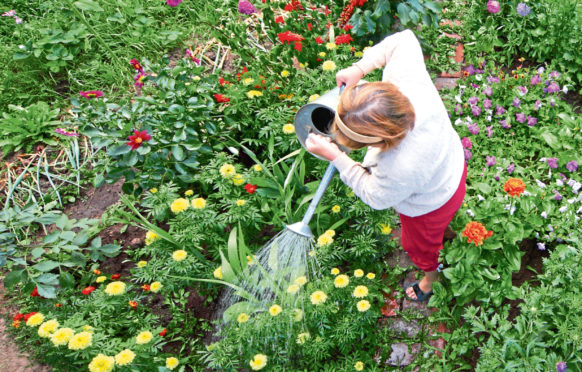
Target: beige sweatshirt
422	173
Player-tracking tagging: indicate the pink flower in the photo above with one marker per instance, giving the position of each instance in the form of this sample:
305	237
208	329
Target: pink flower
493	6
65	133
91	94
173	3
137	140
466	142
190	54
139	78
245	7
136	65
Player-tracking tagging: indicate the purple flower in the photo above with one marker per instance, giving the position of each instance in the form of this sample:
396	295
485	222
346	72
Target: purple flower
552	102
476	110
557	196
18	20
65	133
466	142
173	3
459	109
516	102
473	100
496	177
520	117
510	168
505	124
467	154
488	91
541	246
493	79
490	161
531	121
554	74
561	367
470	69
553	87
552	162
572	166
245	7
535	80
500	110
473	128
537	105
522	9
487	103
522	90
493	6
489	130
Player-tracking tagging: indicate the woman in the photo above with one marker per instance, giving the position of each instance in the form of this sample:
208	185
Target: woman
414	161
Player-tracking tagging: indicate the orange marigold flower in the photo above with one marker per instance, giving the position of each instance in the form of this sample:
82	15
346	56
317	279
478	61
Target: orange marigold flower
514	187
133	304
16	323
97	272
146	287
476	233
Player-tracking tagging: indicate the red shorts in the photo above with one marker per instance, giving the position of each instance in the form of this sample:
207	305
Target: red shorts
422	236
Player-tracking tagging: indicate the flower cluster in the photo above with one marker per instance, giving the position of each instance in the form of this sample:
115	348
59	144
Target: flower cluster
476	233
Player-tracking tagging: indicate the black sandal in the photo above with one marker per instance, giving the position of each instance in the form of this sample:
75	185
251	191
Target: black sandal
421	296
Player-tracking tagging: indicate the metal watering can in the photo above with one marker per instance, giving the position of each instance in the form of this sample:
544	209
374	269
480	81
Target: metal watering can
317	117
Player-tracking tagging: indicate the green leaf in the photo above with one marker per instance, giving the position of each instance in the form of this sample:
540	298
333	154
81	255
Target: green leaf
50	279
47	265
46	291
118	150
550	139
18	56
178	152
233	257
68	235
227	274
37	252
66	280
88	5
483	187
61	222
13	278
234	310
403	13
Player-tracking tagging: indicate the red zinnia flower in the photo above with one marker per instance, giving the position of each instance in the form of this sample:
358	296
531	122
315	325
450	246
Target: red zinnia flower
163	332
250	188
298	46
514	187
115	276
27	316
319	40
476	233
288	7
92	94
18	316
348	27
343	39
137	139
220	98
221	81
136	65
280	20
289	36
87	291
309	26
145	287
97	272
34	292
133	304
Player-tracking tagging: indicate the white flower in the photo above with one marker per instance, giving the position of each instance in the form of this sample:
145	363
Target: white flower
457	98
544	214
579	210
526	193
479	77
470	213
570	201
551	228
459	121
565	89
541	185
480	198
512	210
508	206
563	209
541	70
469	120
488	118
560	183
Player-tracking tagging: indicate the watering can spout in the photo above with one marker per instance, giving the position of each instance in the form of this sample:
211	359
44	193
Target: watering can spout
301	228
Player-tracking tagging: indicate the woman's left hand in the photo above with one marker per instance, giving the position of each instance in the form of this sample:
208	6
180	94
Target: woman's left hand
322	146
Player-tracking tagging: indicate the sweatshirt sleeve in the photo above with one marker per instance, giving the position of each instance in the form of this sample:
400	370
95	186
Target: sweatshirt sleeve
400	53
377	190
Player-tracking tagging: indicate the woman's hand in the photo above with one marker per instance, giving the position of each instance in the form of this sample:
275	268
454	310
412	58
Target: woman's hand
349	76
322	146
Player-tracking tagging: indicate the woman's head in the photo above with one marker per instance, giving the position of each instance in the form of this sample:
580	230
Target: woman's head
376	109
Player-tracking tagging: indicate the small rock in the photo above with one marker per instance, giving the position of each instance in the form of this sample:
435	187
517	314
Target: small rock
400	355
399	258
445	82
399	325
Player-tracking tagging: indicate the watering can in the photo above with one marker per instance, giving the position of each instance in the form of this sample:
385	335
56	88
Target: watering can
317	117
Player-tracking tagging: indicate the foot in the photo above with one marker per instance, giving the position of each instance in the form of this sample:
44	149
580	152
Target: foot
424	285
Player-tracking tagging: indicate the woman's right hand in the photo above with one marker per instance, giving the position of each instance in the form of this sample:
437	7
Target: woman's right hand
349	76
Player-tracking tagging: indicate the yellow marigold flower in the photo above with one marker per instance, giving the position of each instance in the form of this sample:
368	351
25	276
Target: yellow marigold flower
101	279
124	357
199	203
179	205
102	363
301	280
321	54
218	272
328	66
363	305
318	297
196	78
153	190
385	229
359	366
336	209
335	271
359	54
275	310
359	273
242	318
297	315
254	93
284	73
115	288
248	81
88	328
155	287
238	179
80	341
172	363
257	168
302	65
62	336
341	281
288	129
240	202
251	260
47	328
259	362
179	255
313	97
293	288
311	253
360	291
302	337
144	337
35	320
330	233
324	240
227	170
142	264
189	193
370	276
151	237
330	46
